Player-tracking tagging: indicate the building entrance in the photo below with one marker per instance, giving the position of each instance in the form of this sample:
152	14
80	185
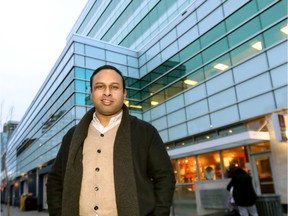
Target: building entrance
264	183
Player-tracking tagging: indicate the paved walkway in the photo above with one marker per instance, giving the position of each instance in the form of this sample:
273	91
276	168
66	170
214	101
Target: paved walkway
15	211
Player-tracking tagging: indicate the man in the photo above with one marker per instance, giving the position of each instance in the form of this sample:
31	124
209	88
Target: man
243	193
111	163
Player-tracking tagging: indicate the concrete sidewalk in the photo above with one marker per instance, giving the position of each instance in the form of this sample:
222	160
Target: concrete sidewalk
15	211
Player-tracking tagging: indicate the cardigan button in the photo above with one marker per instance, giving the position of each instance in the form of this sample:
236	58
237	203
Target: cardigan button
96	208
97	169
99	151
102	135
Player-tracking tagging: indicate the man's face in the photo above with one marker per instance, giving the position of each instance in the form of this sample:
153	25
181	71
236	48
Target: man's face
107	93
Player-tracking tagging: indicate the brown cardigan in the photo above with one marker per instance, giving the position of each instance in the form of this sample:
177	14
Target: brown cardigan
144	177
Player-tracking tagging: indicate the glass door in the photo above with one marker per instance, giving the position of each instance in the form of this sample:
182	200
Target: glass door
264	183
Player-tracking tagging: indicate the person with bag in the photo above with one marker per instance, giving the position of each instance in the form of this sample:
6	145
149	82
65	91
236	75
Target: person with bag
243	193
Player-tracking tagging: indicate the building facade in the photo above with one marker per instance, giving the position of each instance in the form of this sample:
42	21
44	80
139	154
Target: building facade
211	76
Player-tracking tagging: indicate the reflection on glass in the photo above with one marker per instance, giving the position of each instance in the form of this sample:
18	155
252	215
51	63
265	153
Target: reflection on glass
232	158
209	166
265	175
187	170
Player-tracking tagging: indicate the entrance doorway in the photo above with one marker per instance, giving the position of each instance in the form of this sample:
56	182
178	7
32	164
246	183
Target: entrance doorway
264	183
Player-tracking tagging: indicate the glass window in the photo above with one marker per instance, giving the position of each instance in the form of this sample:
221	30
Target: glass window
79	72
244	32
80	86
274	13
241	15
232	158
259	147
174	89
81	99
212	35
187	169
215	50
257	125
219	65
247	49
189	50
192	64
262	4
275	34
193	79
209	166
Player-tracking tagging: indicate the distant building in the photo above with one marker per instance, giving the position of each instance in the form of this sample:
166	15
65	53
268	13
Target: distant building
8	130
211	76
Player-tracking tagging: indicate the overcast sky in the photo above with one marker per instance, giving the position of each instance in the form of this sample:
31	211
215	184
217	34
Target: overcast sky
33	35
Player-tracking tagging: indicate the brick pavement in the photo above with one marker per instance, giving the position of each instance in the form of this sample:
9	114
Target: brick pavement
15	211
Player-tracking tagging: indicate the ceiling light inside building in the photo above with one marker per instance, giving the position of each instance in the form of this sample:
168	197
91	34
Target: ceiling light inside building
154	103
285	30
135	106
190	82
257	45
220	66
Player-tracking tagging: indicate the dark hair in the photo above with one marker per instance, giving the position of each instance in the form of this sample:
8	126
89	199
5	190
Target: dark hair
104	67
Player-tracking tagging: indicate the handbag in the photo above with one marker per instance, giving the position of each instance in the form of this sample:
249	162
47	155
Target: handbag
230	201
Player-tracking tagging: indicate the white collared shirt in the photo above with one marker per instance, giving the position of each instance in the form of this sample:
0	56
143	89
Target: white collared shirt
112	123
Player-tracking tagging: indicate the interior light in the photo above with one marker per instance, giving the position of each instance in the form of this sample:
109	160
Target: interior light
284	29
190	82
207	137
154	103
135	106
220	66
257	45
230	131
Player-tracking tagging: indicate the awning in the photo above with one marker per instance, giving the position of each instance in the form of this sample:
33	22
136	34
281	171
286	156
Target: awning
240	139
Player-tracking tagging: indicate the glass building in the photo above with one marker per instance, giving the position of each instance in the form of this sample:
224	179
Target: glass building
211	76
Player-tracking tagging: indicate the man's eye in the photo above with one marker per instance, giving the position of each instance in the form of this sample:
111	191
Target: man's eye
99	87
114	87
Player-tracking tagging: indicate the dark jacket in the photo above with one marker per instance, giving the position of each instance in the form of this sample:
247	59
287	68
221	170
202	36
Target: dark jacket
144	177
243	190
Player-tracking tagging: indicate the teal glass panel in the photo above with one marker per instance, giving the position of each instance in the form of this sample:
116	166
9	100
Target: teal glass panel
192	64
213	34
215	50
80	86
175	59
146	104
241	15
263	3
81	99
121	19
244	32
157	98
87	87
190	50
247	49
134	94
174	89
79	73
194	79
217	66
275	34
148	21
274	13
89	74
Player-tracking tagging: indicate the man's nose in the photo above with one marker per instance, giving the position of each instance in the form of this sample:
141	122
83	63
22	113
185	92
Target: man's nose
107	91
